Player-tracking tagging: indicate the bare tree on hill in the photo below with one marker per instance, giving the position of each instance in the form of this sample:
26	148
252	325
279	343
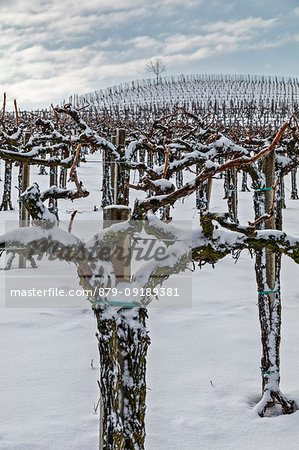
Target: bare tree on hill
156	66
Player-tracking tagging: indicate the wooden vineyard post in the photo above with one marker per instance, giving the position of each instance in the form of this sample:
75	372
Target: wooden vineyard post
113	214
233	193
24	219
209	189
119	177
269	171
115	190
114	173
118	212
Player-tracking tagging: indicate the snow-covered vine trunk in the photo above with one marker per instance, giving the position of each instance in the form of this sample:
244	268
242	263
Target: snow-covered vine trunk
63	171
244	187
280	202
267	268
142	154
123	342
294	194
24	218
42	170
232	194
179	175
269	303
53	182
6	199
282	192
62	177
123	177
225	185
203	193
107	197
20	183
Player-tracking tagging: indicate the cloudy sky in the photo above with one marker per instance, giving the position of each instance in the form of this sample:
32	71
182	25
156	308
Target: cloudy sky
50	49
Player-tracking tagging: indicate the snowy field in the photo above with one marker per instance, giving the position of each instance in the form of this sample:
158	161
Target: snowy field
203	372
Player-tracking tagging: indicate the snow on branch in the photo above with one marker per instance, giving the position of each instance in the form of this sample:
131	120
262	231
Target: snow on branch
87	136
209	170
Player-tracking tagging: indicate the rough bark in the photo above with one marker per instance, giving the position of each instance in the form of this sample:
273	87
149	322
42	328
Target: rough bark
267	268
244	187
123	343
282	192
273	402
179	175
107	197
62	177
6	199
203	193
53	182
294	194
232	194
42	170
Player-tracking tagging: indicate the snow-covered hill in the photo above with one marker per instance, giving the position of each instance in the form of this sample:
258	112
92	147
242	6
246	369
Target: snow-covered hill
226	96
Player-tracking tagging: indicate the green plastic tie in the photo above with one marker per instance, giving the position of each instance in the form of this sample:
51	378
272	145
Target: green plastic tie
265	189
132	305
204	201
267	372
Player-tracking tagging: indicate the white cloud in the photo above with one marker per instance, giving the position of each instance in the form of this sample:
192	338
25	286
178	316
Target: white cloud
219	37
241	26
144	42
50	49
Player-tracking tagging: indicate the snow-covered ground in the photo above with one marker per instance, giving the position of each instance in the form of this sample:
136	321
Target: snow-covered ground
203	372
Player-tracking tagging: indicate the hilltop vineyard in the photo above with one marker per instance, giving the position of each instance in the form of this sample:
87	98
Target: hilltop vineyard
243	100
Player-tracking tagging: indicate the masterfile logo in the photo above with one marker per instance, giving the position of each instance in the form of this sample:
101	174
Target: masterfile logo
133	263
